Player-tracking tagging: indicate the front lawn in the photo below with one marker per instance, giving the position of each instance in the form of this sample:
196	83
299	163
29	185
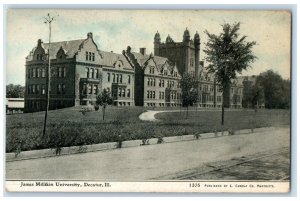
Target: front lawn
69	127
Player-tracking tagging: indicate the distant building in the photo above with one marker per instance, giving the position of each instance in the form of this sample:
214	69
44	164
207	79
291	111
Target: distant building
14	105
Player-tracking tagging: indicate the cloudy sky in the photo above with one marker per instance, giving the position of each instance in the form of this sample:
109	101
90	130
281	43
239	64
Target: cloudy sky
114	30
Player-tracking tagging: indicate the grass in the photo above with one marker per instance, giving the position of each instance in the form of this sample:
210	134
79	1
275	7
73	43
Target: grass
69	127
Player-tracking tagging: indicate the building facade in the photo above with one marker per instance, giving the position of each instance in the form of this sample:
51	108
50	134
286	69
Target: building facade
186	55
157	80
78	69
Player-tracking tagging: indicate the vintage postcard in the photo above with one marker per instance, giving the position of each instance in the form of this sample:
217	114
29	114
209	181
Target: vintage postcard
148	100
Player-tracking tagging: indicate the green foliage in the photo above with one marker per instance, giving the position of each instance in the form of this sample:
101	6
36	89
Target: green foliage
276	90
189	89
103	99
228	54
15	91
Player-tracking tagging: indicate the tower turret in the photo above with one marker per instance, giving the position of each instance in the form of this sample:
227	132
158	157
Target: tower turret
156	43
186	36
197	54
169	39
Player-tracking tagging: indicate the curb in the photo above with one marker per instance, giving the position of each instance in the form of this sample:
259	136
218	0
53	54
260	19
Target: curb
26	155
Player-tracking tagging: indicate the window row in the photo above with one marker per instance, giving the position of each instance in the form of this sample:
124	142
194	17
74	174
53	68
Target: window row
89	56
90	89
151	94
61	71
92	73
117	78
161	83
122	91
36	72
36	89
61	89
174	95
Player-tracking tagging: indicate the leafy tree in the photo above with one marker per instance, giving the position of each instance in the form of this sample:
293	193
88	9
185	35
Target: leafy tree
228	54
276	90
189	91
15	91
104	99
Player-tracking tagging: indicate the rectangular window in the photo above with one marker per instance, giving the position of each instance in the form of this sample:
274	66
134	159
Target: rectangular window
153	94
29	89
163	83
120	92
128	79
43	72
95	89
90	56
86	56
63	89
37	89
33	72
128	93
64	72
43	89
148	94
117	78
90	89
114	78
121	78
93	56
154	80
60	72
37	72
33	89
87	72
91	73
163	95
108	77
148	83
123	92
59	89
97	73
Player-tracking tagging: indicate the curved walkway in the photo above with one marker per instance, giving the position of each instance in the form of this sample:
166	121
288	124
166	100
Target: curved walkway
150	115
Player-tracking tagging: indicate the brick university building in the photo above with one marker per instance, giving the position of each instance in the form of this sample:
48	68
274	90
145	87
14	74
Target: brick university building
80	71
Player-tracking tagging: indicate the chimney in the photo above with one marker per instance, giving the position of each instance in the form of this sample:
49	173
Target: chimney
90	35
143	50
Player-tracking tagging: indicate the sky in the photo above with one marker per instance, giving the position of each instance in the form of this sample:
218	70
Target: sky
114	30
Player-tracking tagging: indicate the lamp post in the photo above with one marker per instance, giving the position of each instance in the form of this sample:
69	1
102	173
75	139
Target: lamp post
48	20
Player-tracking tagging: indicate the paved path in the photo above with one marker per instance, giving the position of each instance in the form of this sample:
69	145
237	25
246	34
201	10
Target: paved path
146	162
150	114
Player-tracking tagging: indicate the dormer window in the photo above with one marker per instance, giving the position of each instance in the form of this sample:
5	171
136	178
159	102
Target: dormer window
89	56
39	57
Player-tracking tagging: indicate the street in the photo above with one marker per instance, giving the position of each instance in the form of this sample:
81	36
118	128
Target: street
147	162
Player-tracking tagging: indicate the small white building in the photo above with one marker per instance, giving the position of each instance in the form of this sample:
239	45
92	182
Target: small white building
14	105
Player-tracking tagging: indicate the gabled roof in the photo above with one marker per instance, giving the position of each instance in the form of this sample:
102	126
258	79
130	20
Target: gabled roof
110	58
70	47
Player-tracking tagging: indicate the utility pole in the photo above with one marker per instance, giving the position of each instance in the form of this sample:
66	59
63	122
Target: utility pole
48	20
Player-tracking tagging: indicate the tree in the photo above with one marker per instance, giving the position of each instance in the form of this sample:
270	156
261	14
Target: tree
189	91
104	99
276	90
227	54
15	91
